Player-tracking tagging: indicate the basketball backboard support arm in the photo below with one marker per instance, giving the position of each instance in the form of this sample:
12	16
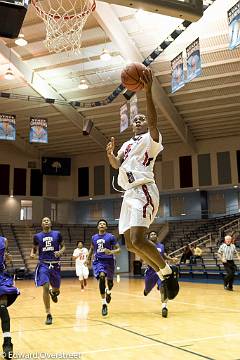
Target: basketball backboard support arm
190	10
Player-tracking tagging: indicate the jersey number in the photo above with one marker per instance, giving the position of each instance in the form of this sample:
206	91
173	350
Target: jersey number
100	247
48	243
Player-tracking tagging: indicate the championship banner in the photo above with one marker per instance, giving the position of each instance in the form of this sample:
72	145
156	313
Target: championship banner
234	25
7	127
38	130
177	73
194	68
123	118
133	108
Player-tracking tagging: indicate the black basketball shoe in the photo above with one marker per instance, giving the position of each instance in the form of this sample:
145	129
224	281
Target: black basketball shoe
170	283
108	298
7	348
164	312
54	296
104	310
145	293
48	319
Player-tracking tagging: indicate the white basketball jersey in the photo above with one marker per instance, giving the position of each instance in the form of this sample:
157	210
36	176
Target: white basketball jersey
82	256
139	155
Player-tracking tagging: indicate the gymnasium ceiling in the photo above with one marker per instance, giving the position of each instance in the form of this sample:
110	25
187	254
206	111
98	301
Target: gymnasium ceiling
206	108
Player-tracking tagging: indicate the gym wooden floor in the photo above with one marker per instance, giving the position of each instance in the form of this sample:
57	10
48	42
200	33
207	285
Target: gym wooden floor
203	323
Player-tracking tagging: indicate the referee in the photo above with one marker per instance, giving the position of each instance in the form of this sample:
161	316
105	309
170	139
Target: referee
226	252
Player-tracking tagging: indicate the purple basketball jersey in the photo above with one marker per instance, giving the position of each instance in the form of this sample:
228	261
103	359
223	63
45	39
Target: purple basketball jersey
151	277
101	242
47	244
2	253
160	248
6	281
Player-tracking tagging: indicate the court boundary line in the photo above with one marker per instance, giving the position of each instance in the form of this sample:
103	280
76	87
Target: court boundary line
156	340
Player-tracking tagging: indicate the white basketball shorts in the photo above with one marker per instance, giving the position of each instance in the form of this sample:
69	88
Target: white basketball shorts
139	207
82	272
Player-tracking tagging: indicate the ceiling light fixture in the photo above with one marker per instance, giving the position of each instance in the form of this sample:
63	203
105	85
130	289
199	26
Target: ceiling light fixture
83	84
20	41
105	55
9	75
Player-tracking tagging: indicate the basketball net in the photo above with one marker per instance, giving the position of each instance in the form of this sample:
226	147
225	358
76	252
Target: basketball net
64	20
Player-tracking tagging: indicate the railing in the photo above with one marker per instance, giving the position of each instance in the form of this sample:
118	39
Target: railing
233	225
199	241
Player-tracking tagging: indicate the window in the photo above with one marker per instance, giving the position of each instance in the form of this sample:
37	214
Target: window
95	211
177	205
117	208
216	203
26	210
83	181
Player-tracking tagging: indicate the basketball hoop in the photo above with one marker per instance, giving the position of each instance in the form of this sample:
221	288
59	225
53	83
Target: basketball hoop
64	20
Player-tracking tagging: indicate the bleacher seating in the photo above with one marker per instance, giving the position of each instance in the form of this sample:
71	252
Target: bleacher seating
17	258
181	233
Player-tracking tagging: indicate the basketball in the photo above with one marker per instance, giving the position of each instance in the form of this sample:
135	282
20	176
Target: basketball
131	75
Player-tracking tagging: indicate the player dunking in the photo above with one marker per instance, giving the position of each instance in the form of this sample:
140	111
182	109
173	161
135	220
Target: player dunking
8	294
104	246
135	161
50	246
151	277
80	255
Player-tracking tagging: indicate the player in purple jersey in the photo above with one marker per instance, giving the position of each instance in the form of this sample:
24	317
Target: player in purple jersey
104	247
152	278
8	294
135	162
50	246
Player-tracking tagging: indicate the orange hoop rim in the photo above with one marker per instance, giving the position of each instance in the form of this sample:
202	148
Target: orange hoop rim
44	13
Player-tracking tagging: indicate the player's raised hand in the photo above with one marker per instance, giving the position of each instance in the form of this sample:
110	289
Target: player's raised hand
57	254
147	79
110	146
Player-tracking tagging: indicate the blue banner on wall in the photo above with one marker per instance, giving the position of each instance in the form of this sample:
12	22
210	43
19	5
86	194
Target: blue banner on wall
177	73
7	127
194	68
123	117
133	108
234	25
38	130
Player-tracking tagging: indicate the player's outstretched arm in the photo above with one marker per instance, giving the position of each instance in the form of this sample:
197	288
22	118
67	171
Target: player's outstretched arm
147	80
114	161
34	249
61	251
115	251
8	256
89	257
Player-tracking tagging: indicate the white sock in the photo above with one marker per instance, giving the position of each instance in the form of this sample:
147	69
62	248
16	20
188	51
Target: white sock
108	291
104	301
160	275
164	305
6	334
166	270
